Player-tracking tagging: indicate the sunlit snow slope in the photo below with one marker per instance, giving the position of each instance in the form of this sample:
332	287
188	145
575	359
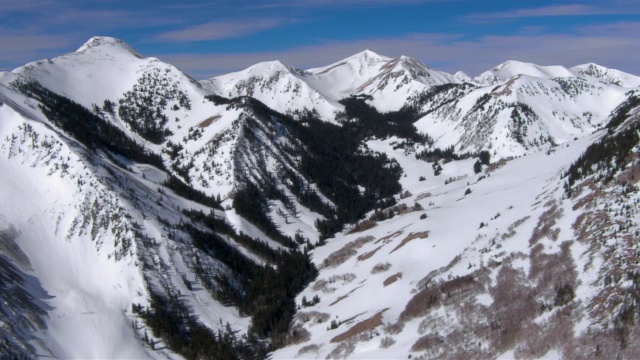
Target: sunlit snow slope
371	208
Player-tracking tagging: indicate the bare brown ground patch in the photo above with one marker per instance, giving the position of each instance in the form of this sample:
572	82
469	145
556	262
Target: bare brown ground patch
507	87
362	226
631	174
346	252
344	296
391	279
511	231
312	348
331	68
412	236
427	342
425	299
546	224
390	236
351	319
369	254
208	121
380	267
368	324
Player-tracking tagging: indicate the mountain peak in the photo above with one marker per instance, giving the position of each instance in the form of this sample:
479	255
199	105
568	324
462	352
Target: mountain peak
512	63
604	73
462	76
369	57
272	67
591	69
368	53
512	68
98	42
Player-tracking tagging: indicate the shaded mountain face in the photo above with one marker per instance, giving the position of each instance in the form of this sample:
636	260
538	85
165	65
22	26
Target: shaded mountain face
374	207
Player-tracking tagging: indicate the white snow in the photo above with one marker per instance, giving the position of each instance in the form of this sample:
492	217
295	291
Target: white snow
50	189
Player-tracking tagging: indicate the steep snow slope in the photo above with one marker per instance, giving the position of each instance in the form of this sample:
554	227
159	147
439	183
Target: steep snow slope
87	75
504	263
70	256
344	77
101	233
107	69
97	242
490	272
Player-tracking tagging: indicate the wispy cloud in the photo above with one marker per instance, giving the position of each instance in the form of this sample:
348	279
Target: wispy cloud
218	30
28	46
553	11
342	3
11	5
109	19
619	29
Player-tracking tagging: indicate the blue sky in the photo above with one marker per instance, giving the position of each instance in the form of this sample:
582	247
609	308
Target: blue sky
205	38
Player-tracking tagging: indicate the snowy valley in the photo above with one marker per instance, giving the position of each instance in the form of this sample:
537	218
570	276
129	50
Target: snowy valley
371	208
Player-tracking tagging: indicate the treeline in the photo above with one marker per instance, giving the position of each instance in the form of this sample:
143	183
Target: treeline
265	292
218	100
220	226
169	319
189	193
371	123
449	154
85	126
438	96
252	203
621	113
143	106
605	157
330	157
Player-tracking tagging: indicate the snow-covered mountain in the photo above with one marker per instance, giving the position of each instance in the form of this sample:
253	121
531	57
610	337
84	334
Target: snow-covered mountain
388	81
284	88
281	87
510	110
413	214
522	115
511	68
613	76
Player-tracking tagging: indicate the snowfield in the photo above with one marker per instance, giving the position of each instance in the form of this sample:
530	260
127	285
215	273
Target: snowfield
510	261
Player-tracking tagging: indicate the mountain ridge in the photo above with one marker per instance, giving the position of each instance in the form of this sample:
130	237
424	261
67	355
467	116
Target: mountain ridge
385	216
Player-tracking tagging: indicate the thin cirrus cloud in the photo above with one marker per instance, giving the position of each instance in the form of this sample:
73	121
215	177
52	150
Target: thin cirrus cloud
219	30
340	3
553	11
28	45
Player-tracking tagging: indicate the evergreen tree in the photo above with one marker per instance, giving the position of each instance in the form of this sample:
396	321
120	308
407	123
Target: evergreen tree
477	167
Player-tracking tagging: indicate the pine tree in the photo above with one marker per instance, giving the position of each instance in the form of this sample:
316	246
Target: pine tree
477	167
